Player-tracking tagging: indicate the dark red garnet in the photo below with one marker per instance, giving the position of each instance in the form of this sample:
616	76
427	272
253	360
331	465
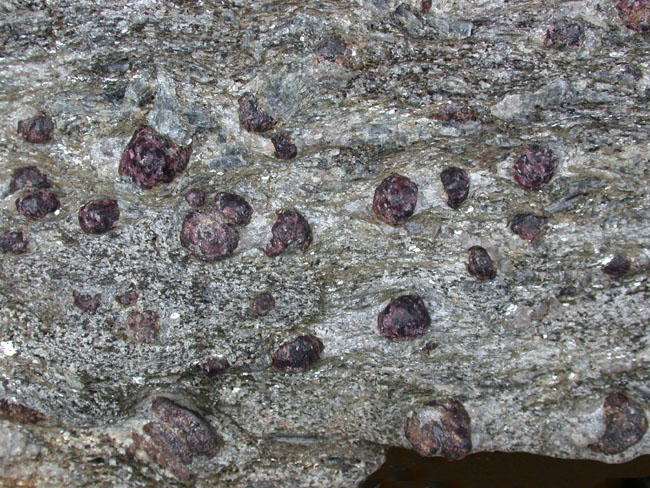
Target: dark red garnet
169	449
99	216
332	48
263	304
635	14
234	207
528	226
535	167
86	301
37	129
144	326
195	431
297	355
214	366
284	146
252	117
29	177
150	158
290	228
395	199
456	184
617	267
454	112
176	438
195	197
480	264
447	430
405	317
563	34
19	413
207	236
129	297
13	242
36	204
625	424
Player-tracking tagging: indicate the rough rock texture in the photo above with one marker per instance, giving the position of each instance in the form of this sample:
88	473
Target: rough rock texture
531	355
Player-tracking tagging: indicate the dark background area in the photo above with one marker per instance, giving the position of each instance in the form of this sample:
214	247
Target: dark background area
405	468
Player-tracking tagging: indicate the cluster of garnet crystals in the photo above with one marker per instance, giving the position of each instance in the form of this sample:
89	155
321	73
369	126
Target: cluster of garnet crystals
177	434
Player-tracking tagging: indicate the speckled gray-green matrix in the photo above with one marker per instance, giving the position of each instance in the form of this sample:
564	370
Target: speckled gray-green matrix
363	89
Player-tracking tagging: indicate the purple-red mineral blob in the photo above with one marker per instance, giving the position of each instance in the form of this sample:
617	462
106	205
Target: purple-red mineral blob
195	432
99	216
19	413
456	184
13	242
395	199
207	236
617	267
168	449
234	207
144	326
36	204
442	426
150	158
563	34
635	14
86	301
290	228
528	226
252	117
263	304
454	112
214	366
195	197
297	355
332	48
37	129
175	438
284	146
129	297
625	424
405	317
480	264
162	446
535	167
29	177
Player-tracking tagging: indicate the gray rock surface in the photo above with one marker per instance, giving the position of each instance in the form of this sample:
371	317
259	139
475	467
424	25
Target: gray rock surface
531	354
